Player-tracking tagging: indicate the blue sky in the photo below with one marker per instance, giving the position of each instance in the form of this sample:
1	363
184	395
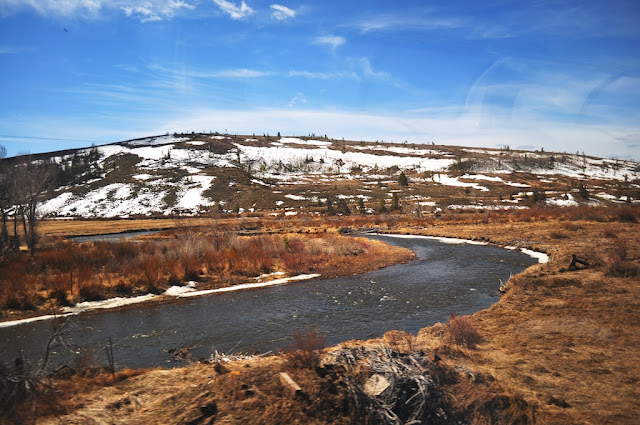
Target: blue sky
561	75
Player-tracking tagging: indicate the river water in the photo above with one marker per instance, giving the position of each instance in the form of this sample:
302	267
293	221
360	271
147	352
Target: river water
444	278
110	237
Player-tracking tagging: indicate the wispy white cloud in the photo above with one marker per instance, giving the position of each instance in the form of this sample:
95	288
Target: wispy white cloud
144	13
225	73
334	41
367	70
392	22
144	10
298	98
53	7
160	10
358	69
233	10
233	73
282	13
318	75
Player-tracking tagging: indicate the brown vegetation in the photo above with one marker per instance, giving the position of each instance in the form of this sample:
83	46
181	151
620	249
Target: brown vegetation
63	273
306	349
559	347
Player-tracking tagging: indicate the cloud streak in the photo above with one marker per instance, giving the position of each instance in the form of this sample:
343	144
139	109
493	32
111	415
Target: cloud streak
53	7
298	98
233	10
404	22
333	41
318	75
151	12
143	10
282	13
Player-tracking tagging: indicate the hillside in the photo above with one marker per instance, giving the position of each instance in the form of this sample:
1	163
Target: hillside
193	174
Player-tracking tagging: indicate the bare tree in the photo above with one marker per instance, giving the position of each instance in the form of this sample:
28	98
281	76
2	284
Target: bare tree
28	183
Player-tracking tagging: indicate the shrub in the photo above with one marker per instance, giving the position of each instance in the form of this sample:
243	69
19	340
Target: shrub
92	292
61	297
19	302
124	288
628	214
306	349
461	331
619	264
401	340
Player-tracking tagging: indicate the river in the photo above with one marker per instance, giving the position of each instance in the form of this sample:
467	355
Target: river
444	278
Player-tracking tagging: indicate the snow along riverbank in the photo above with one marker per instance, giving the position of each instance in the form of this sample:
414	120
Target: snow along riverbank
540	256
173	292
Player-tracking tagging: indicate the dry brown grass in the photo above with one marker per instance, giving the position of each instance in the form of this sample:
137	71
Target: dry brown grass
559	347
462	331
306	350
63	273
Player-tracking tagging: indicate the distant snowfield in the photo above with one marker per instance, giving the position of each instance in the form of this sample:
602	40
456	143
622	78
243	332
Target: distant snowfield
155	179
332	157
454	181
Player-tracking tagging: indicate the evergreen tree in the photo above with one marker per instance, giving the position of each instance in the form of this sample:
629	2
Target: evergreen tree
395	203
360	204
343	208
330	209
584	194
382	208
402	179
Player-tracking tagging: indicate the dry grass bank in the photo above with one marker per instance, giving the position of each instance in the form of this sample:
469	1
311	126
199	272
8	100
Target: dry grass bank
63	273
559	347
566	340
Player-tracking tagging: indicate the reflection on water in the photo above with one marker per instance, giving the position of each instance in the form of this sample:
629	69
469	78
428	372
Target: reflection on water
113	236
443	279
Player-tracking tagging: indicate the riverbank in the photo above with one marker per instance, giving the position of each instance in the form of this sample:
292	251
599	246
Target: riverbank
559	347
173	264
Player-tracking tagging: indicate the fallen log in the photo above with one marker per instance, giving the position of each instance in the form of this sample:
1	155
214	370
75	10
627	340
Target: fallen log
576	262
288	382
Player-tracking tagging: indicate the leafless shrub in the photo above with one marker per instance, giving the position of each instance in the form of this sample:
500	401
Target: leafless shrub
461	331
401	340
628	214
306	349
619	265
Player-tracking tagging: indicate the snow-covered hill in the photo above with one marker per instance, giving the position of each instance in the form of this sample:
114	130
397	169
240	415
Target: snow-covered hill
202	173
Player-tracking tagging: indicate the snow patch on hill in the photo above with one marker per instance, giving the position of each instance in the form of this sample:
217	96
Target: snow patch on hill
176	174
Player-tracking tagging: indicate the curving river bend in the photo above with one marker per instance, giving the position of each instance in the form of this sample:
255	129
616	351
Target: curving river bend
444	278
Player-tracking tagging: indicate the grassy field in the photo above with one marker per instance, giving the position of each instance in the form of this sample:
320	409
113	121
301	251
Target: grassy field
559	347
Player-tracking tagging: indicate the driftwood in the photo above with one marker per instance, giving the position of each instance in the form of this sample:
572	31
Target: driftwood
577	262
289	383
389	387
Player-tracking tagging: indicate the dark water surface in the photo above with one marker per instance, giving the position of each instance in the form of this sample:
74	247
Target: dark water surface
444	278
112	237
